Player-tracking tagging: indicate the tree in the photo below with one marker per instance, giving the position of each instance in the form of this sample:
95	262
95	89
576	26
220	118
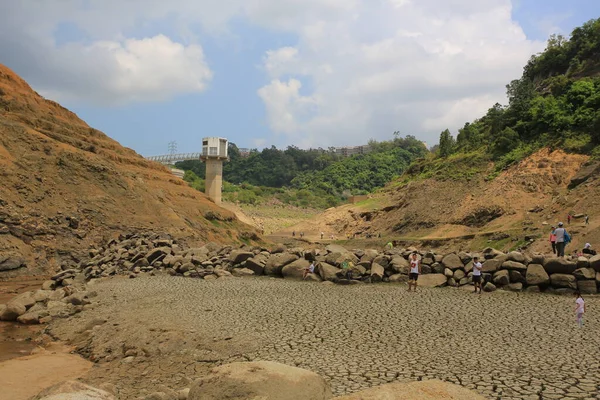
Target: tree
447	143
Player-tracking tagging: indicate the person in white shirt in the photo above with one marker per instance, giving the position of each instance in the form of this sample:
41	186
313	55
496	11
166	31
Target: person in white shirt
415	270
579	308
309	270
477	267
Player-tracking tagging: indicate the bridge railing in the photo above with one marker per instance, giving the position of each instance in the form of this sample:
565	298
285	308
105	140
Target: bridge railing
173	158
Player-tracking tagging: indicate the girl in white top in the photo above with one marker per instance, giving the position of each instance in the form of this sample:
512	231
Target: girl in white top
579	308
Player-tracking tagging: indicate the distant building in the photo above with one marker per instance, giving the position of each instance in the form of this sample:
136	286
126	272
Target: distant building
352	150
244	152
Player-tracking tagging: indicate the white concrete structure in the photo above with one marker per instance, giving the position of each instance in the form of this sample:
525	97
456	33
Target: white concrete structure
214	152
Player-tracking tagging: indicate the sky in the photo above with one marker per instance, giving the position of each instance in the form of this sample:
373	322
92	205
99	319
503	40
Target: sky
308	73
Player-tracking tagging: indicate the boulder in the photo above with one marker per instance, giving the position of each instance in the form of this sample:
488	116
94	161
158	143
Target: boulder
239	256
584	273
26	299
595	262
491	266
451	282
514	265
465	258
369	256
157	254
399	265
398	278
452	261
428	258
536	275
458	275
437	268
559	266
516	277
12	311
515	287
49	285
295	270
448	272
563	281
276	262
32	317
42	295
264	380
464	281
532	289
489	287
587	287
256	264
377	272
77	299
490	253
382	260
501	278
336	248
11	263
241	272
73	390
327	271
418	390
583	262
516	257
432	280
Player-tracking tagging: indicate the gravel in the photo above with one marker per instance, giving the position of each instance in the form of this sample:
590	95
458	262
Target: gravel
503	345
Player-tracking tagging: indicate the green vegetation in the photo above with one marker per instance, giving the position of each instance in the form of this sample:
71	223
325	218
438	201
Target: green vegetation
308	178
556	103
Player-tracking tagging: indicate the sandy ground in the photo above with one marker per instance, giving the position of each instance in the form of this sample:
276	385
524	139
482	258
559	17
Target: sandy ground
148	332
24	377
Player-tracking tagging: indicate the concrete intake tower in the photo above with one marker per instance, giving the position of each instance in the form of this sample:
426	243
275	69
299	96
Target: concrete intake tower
214	152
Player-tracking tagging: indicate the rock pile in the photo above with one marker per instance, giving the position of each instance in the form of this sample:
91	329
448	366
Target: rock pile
152	253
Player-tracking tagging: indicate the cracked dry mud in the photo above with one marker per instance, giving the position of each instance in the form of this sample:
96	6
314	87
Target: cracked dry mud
503	345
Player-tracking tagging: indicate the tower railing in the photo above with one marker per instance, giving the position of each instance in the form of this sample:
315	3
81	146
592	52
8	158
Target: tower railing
173	158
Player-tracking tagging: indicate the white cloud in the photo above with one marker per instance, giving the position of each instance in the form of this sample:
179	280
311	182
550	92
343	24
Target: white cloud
417	67
369	67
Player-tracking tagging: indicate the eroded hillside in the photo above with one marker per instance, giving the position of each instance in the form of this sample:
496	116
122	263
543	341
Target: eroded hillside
507	211
65	185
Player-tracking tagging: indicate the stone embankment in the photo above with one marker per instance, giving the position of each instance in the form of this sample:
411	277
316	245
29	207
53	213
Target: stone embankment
153	254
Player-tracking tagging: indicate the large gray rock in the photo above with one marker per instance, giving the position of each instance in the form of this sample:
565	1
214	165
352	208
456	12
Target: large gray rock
563	281
452	261
491	265
26	299
398	278
276	262
239	256
10	263
328	272
242	272
12	311
73	390
501	278
399	265
489	287
489	253
536	275
369	256
516	256
377	272
448	272
262	380
418	390
432	280
516	277
515	287
583	262
587	287
157	254
584	273
295	270
595	262
256	264
514	265
458	275
559	266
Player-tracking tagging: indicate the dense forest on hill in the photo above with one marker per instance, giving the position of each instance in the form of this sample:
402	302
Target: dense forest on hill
315	177
555	103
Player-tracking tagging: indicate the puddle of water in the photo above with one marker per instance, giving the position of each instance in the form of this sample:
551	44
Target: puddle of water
17	340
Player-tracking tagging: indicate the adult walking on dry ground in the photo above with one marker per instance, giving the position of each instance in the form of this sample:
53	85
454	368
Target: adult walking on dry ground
569	218
587	219
553	240
579	308
477	267
562	238
415	270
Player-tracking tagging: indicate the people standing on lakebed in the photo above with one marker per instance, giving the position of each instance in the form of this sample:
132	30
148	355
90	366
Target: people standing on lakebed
477	267
415	270
579	308
553	240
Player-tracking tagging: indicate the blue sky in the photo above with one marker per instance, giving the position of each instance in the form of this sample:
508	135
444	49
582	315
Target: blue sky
313	73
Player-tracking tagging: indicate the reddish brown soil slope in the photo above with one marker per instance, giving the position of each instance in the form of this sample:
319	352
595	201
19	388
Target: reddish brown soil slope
65	185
